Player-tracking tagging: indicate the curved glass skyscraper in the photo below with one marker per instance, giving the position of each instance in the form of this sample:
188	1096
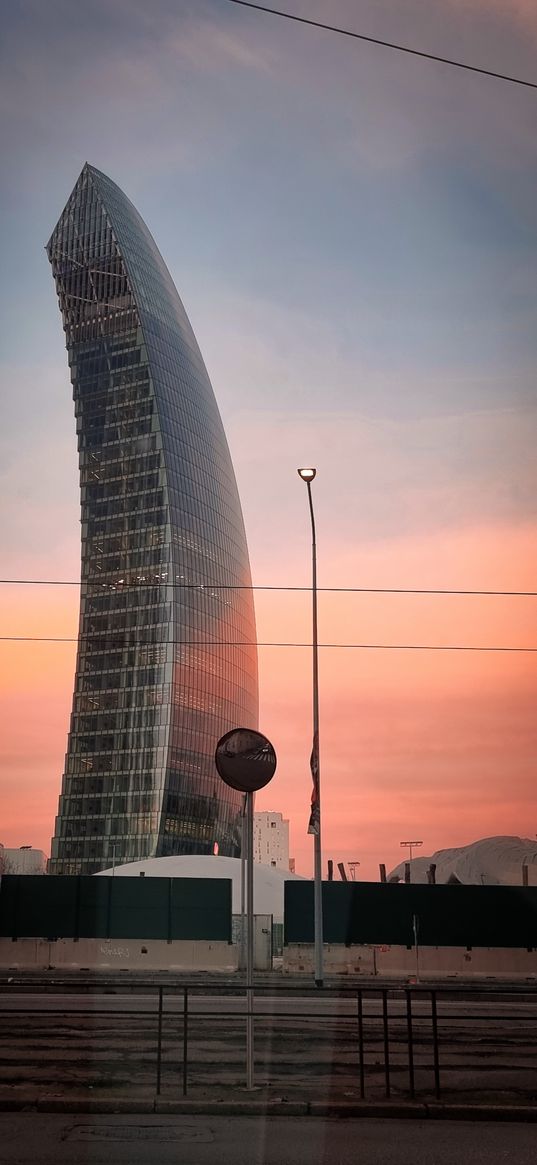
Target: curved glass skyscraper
166	654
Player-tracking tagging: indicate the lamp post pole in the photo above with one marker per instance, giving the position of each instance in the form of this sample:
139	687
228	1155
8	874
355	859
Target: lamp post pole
246	761
244	858
308	475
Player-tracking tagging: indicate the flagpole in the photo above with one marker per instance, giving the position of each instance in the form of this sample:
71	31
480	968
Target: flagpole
308	475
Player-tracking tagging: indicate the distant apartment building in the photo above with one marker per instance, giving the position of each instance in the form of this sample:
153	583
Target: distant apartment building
271	840
24	860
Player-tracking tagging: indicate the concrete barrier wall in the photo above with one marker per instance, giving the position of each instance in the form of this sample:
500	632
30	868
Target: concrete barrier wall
338	960
117	954
456	962
196	955
425	963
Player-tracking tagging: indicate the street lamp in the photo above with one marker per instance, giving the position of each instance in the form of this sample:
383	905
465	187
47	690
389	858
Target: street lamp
314	827
410	845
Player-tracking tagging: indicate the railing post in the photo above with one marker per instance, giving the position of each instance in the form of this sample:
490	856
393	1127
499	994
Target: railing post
159	1039
436	1060
361	1043
386	1041
185	1039
410	1042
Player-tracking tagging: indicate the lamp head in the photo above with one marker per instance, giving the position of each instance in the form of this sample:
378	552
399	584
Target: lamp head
307	474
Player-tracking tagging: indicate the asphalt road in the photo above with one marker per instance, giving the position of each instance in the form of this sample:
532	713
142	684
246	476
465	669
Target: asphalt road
27	1138
320	1005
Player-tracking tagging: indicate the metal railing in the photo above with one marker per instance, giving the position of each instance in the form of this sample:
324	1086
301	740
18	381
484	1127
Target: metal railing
395	1036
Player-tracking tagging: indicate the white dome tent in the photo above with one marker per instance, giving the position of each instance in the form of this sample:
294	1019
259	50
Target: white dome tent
268	881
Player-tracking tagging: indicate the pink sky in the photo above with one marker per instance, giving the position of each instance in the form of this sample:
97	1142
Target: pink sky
439	746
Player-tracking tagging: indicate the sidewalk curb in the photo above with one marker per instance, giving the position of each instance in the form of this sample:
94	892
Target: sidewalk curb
234	1107
398	1110
480	1112
97	1104
345	1109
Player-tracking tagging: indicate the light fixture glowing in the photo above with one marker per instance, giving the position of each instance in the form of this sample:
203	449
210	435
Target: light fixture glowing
307	474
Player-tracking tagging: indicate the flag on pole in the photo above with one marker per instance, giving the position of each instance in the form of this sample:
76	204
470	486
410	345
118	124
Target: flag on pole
315	814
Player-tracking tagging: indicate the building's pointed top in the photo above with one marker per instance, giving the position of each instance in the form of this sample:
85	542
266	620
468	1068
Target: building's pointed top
93	170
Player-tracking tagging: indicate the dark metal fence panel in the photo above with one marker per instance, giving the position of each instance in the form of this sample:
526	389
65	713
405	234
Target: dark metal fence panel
33	906
201	908
61	906
383	913
138	908
94	912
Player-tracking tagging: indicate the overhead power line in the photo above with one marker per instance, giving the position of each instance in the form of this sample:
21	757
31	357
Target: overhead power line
42	582
386	44
240	643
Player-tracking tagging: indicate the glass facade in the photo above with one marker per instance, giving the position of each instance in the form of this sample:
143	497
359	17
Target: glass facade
166	658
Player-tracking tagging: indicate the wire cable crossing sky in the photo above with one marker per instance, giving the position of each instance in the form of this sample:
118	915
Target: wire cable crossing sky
260	587
385	43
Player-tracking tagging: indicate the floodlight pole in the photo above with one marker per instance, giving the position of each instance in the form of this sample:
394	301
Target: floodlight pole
317	847
410	845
